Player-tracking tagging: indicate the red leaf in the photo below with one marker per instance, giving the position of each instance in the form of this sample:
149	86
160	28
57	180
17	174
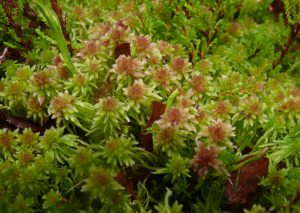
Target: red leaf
122	49
244	182
126	183
158	109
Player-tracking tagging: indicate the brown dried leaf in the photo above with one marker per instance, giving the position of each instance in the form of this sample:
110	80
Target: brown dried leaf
14	122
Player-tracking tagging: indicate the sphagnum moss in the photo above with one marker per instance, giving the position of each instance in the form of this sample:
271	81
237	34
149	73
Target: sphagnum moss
224	73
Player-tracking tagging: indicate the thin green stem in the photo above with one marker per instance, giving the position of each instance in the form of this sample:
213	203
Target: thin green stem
250	160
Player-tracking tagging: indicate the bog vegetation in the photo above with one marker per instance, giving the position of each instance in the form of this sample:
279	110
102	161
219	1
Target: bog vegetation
149	106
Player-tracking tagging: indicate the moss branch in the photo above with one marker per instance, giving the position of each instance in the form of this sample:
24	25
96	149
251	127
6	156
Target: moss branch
11	22
293	35
7	6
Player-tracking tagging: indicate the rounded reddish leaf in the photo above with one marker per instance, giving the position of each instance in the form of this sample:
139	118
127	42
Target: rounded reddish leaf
122	49
244	182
